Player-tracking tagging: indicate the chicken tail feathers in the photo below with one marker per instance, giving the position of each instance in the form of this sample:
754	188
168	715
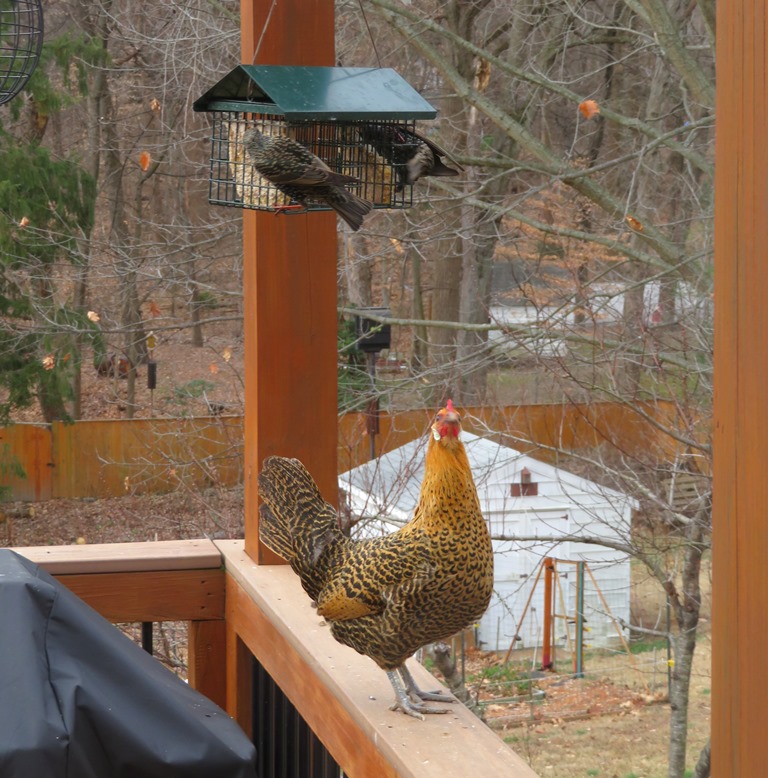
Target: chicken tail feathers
295	521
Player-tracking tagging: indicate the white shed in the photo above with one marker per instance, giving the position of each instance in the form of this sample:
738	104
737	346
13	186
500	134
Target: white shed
521	497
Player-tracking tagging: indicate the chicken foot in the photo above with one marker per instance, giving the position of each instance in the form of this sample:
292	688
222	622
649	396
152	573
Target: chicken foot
406	690
412	688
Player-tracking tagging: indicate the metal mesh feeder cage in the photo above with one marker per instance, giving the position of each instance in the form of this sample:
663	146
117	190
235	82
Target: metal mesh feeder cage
21	40
358	121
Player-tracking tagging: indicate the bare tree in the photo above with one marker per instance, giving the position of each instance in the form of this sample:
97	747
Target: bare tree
586	133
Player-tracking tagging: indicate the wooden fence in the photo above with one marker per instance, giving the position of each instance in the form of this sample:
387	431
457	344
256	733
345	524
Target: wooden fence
110	458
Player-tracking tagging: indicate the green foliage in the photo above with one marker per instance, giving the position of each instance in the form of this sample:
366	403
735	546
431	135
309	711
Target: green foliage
193	390
184	394
9	465
205	300
70	56
644	646
56	196
507	679
46	206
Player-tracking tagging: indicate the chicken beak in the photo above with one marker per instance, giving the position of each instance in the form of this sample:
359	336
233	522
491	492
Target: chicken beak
451	417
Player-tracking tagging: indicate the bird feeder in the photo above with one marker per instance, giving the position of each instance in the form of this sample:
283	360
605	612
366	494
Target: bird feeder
21	41
358	121
372	336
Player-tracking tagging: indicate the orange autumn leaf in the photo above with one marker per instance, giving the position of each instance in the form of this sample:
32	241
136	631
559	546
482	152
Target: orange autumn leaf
145	160
589	108
634	223
398	246
213	368
482	75
154	309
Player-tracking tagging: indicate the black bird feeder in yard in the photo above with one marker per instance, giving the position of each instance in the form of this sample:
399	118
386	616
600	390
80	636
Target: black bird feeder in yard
372	335
358	121
21	41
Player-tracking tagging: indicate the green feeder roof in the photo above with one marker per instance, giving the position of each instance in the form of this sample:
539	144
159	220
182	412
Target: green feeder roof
330	94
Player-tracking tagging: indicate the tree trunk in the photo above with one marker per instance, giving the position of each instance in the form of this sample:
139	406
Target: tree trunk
687	605
195	308
357	270
419	340
446	285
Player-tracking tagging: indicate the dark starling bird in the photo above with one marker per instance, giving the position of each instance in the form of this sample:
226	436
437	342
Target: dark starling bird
302	176
412	154
387	597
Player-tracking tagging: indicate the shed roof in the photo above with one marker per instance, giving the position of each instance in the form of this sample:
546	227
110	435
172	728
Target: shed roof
390	484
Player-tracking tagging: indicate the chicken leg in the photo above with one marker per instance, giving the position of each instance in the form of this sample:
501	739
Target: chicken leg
406	692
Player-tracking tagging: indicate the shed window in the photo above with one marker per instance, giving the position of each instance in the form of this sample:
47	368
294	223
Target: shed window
525	487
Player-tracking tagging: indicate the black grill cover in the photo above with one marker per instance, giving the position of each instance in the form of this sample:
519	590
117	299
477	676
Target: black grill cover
78	699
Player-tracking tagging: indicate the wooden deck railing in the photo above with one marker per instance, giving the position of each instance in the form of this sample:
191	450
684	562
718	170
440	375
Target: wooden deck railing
239	610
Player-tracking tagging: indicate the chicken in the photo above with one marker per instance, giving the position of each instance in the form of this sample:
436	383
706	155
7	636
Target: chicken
387	597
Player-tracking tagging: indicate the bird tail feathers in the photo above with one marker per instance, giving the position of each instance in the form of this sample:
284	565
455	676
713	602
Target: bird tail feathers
439	169
351	208
295	521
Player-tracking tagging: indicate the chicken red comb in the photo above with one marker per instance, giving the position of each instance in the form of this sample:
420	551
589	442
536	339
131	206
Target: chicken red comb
449	406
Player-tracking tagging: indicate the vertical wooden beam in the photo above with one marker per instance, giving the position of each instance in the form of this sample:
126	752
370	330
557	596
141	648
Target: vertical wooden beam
547	659
289	290
207	660
239	678
740	492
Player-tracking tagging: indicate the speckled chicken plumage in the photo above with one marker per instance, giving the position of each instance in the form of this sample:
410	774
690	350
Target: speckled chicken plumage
302	176
389	596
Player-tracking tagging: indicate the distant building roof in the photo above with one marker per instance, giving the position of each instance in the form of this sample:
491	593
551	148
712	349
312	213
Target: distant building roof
389	485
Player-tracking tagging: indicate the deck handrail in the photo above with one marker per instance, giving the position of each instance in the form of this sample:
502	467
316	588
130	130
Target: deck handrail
235	604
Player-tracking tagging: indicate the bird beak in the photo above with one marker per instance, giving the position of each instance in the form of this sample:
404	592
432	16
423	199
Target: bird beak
451	417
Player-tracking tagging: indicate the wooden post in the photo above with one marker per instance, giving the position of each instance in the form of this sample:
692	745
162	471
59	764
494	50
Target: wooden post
207	661
547	659
740	491
289	290
578	659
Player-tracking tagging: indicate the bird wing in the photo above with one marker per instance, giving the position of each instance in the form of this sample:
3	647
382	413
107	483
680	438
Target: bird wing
314	173
439	150
385	573
336	604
